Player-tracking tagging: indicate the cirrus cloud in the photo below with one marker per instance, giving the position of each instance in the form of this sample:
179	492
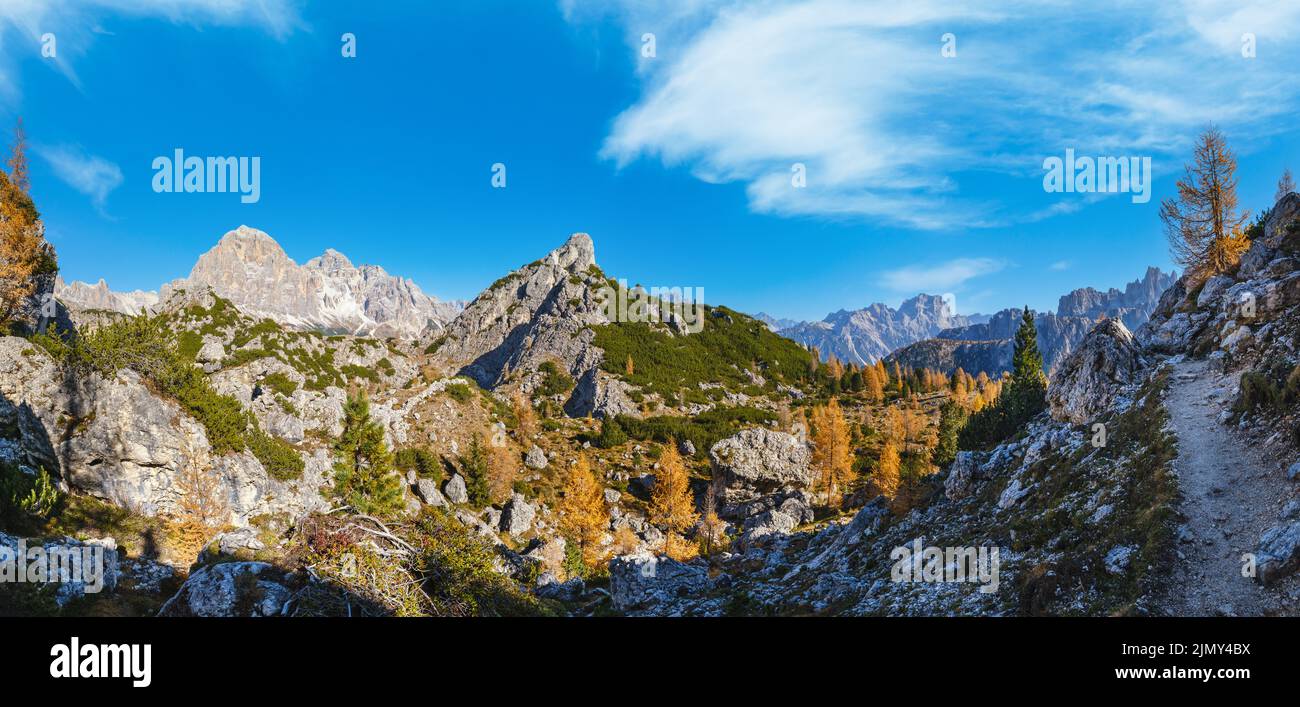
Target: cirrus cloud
93	176
891	130
948	275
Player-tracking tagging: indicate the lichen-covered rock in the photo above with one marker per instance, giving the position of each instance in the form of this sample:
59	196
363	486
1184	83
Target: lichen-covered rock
645	580
455	489
535	458
759	462
1278	554
962	476
1086	384
242	589
517	516
429	493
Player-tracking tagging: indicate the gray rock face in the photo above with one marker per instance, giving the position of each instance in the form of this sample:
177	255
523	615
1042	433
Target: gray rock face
1278	554
455	489
646	580
1119	558
517	516
121	443
326	293
243	589
962	476
1087	381
548	553
1285	213
759	462
536	313
764	524
429	493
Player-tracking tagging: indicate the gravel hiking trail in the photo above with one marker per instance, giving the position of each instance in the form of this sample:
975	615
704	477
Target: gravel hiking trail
1229	499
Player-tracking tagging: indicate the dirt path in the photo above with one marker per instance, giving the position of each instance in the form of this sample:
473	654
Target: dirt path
1230	496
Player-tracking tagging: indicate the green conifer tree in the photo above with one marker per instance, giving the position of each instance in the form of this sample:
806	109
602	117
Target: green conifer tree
363	474
475	465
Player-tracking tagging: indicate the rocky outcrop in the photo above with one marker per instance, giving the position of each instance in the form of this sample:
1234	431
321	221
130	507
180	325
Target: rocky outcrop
1086	383
541	312
644	580
79	568
1132	306
756	467
1248	313
232	589
1278	554
113	438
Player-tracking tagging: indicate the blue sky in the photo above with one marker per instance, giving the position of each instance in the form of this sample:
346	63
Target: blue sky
924	172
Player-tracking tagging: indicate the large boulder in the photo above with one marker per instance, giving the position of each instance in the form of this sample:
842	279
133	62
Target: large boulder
243	589
517	516
649	583
759	462
1278	554
962	475
1086	384
455	489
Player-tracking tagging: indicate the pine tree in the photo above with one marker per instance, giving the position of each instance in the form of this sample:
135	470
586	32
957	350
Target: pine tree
363	474
611	433
1024	396
672	507
475	465
1285	185
630	367
1202	223
952	417
832	456
583	515
1026	361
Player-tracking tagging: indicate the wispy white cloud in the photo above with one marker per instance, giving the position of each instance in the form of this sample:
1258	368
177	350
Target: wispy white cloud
1059	265
940	277
75	23
891	130
93	176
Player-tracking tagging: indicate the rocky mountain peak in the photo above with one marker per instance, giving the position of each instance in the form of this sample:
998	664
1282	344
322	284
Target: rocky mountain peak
865	335
576	255
331	261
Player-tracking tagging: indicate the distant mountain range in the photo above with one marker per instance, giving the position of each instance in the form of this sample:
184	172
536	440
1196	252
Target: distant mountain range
866	335
987	346
327	293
